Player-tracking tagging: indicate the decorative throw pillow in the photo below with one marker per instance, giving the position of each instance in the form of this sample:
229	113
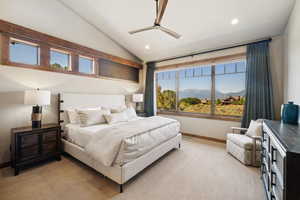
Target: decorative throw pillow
92	117
130	112
255	128
73	116
116	117
117	109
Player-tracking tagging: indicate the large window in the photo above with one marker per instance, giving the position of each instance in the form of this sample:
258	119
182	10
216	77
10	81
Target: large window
214	90
86	65
24	52
60	59
166	91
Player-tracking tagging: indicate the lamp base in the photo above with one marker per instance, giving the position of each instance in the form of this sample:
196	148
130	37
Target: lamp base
36	117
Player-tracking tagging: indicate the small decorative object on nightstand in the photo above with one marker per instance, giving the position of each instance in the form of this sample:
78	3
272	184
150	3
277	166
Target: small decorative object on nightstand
141	114
37	98
30	145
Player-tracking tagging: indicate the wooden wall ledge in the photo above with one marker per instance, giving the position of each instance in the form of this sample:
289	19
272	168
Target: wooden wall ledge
42	38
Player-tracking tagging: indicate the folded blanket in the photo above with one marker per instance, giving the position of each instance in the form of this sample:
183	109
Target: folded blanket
107	143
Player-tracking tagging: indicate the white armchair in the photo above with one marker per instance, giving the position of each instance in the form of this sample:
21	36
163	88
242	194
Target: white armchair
245	147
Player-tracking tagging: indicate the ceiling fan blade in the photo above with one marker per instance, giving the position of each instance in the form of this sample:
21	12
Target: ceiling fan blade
170	32
161	10
142	29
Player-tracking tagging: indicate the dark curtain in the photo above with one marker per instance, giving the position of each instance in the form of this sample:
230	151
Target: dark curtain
259	95
149	90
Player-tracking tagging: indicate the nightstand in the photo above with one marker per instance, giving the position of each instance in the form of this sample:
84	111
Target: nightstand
141	114
31	145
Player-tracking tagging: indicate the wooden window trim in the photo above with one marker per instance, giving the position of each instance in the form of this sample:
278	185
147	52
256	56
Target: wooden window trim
46	43
14	30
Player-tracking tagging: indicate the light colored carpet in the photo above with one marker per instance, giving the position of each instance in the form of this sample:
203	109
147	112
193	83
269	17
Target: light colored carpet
200	170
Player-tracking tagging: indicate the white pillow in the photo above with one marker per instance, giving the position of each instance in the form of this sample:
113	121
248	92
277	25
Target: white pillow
130	112
118	109
255	129
92	117
116	117
73	114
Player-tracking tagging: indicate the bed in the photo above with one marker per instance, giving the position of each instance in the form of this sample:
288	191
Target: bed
118	151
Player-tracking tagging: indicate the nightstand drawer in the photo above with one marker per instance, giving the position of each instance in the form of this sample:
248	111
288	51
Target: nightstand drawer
49	136
50	148
29	152
28	140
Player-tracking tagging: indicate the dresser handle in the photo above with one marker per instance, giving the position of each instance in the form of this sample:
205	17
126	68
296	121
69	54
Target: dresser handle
273	178
273	150
264	139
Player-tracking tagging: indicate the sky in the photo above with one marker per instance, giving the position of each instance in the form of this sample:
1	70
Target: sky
225	83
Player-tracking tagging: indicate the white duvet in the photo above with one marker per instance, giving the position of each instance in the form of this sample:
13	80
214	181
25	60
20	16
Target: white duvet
123	142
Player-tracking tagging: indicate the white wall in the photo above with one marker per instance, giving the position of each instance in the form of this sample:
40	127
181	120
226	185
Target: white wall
219	128
292	57
52	18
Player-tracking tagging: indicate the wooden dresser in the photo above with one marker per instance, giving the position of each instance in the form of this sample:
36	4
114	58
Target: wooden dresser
280	169
30	145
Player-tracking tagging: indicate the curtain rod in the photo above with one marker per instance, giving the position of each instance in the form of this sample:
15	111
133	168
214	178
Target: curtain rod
210	51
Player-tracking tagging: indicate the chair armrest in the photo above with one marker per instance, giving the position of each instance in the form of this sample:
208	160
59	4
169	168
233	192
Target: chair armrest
238	129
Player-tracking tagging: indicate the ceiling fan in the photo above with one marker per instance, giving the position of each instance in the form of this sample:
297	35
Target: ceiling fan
160	9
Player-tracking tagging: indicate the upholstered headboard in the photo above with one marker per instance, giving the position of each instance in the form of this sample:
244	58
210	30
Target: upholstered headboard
76	100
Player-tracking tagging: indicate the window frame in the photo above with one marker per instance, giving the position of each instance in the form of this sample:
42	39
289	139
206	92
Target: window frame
45	42
93	64
29	43
213	75
70	67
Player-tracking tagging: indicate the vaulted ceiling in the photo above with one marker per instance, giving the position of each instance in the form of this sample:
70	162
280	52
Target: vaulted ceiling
203	24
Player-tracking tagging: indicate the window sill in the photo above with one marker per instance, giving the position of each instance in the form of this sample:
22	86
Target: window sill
57	70
198	115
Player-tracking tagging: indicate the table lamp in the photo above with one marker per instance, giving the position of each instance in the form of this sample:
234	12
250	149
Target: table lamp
37	98
138	98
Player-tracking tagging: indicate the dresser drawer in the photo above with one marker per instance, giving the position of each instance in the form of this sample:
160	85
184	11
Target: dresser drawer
29	152
277	159
28	140
50	148
49	136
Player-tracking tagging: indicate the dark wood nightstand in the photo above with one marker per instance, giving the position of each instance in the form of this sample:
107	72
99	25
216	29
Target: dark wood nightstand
30	145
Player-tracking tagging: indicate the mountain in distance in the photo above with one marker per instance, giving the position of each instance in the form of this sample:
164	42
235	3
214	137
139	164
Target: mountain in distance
202	94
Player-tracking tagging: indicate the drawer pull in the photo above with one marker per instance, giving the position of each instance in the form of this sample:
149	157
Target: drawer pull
273	154
273	178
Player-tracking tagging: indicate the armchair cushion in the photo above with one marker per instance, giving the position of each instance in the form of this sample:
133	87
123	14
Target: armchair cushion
243	141
255	128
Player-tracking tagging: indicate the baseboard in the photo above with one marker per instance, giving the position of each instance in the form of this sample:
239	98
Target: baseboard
205	137
3	165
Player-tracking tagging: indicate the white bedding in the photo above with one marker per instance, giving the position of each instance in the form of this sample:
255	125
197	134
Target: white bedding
123	142
81	136
127	141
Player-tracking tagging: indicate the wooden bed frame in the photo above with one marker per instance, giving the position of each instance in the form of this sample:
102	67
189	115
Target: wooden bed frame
119	174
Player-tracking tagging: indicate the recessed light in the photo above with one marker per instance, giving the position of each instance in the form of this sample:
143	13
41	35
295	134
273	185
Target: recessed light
147	46
235	21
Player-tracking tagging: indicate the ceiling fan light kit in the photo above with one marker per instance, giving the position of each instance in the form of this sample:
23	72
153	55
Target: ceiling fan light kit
160	10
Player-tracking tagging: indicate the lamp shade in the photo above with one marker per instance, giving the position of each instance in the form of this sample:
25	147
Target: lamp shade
37	97
137	98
